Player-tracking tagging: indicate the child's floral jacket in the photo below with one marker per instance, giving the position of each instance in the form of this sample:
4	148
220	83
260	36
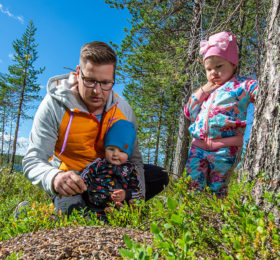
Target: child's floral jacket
219	118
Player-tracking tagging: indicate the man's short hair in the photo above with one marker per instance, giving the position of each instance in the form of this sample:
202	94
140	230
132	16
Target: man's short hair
99	53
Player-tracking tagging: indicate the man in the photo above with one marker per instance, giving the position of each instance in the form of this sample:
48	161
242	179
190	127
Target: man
70	125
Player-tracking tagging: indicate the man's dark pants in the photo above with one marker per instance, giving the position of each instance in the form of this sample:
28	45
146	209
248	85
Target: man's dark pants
156	178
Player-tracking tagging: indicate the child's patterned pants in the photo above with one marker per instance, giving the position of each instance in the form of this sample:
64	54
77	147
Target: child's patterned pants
212	168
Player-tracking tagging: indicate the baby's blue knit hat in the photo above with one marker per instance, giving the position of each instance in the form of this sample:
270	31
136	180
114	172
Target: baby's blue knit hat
121	134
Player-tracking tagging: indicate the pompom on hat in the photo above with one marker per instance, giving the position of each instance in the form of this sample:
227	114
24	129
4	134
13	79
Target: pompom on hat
222	44
121	134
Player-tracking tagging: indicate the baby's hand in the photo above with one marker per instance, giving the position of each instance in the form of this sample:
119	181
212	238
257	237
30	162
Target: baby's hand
209	87
118	195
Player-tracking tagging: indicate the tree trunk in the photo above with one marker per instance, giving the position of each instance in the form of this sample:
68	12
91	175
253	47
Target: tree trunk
183	134
240	29
10	140
172	151
261	164
12	162
167	153
158	132
170	148
3	136
149	148
258	30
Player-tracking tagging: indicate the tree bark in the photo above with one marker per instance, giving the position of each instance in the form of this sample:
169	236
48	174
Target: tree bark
168	149
12	162
10	139
149	148
261	164
159	125
183	134
3	135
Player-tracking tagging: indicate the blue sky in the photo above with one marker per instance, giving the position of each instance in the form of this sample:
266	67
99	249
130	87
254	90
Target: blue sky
62	28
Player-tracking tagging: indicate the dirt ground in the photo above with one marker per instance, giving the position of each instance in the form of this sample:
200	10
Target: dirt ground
73	243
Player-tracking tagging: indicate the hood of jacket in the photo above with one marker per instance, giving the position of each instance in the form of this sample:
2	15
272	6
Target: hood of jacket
62	89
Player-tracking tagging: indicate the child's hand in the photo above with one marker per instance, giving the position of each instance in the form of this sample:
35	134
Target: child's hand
118	195
208	87
119	204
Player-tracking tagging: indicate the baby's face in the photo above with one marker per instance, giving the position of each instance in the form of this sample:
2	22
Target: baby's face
218	70
115	155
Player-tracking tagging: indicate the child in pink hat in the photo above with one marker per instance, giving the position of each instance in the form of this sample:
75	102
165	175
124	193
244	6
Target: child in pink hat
217	111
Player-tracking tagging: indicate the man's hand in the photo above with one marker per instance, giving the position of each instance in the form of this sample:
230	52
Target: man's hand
68	184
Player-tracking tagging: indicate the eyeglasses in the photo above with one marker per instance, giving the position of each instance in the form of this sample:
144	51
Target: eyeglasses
91	83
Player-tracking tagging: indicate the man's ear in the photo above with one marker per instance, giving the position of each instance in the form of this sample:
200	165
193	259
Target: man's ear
78	70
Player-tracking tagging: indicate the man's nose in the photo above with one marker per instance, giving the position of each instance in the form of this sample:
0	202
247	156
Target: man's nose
97	88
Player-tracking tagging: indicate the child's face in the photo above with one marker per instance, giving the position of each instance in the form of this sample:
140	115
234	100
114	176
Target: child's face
115	155
218	70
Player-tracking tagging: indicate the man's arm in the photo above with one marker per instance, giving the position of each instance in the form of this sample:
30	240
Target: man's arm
42	140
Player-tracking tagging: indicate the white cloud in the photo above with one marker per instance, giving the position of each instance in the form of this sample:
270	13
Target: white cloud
7	12
11	56
20	18
22	144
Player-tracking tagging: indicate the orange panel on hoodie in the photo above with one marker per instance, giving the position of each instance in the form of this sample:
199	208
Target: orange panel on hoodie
85	141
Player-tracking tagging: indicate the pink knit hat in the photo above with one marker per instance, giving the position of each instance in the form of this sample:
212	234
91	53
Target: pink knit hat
222	44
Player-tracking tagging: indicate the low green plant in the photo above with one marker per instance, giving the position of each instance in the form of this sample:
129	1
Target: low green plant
38	215
14	256
137	251
130	216
185	225
201	226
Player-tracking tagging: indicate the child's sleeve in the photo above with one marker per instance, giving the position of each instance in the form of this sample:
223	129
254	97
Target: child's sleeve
252	87
133	190
89	171
193	106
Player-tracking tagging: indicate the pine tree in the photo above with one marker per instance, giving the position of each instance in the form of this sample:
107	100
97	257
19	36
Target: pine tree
3	114
22	77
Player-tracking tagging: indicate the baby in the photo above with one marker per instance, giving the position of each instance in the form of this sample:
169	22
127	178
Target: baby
114	178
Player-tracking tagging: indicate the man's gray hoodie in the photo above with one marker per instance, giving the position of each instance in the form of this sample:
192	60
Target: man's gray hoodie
61	97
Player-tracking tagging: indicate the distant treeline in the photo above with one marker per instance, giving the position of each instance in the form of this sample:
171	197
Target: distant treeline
5	160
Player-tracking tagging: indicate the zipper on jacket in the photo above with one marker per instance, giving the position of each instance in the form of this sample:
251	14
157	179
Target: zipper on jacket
208	140
101	123
100	126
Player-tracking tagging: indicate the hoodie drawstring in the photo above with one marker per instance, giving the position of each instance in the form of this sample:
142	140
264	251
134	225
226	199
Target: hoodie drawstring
67	133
